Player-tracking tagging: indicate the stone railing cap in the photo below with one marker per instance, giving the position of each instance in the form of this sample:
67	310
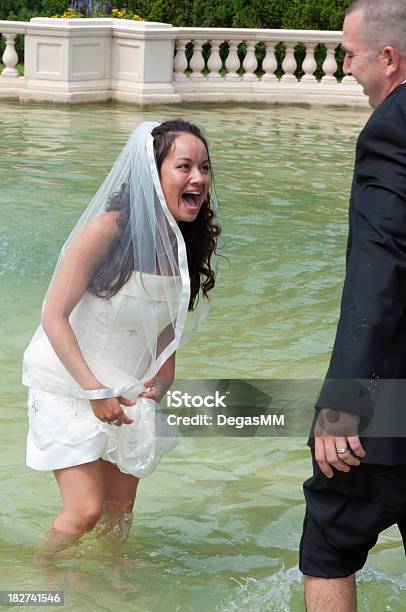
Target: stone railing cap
101	21
13	26
327	36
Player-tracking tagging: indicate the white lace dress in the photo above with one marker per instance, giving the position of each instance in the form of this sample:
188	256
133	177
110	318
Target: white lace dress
63	430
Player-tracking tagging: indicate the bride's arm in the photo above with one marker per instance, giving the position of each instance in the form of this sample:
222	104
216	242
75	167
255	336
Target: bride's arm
68	288
64	294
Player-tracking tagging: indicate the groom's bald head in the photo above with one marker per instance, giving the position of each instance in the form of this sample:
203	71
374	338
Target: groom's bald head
383	23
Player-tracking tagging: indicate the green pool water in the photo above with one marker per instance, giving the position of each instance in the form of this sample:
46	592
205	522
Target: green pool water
217	526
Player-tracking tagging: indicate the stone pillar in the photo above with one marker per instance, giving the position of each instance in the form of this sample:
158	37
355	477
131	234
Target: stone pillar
95	60
142	62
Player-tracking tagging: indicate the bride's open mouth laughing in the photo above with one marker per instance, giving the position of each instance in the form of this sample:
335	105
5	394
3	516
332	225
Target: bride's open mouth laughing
191	200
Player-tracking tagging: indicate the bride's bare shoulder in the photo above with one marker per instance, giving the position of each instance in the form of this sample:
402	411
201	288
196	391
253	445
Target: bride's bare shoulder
104	226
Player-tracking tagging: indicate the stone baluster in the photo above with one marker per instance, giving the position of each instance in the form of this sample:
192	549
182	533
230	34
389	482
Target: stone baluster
250	62
232	62
10	57
214	62
180	61
197	62
270	64
289	64
330	65
309	65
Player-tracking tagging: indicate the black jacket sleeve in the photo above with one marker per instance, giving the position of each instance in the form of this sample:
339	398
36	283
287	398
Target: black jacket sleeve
374	293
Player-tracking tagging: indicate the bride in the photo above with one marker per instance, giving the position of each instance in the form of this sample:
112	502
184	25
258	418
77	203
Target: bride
113	316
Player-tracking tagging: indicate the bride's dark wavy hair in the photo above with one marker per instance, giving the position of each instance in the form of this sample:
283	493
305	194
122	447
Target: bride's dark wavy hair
200	235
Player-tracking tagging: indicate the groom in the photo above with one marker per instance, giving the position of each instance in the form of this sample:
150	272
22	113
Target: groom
358	487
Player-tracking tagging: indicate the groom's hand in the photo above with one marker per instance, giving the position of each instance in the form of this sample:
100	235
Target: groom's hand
337	430
156	387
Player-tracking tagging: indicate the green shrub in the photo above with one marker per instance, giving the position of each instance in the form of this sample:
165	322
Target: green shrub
301	14
293	14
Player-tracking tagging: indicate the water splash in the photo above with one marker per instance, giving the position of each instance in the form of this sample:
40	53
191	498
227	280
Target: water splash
283	592
372	583
272	594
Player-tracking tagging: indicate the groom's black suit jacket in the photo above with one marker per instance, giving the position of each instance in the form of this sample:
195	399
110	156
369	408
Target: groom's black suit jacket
370	344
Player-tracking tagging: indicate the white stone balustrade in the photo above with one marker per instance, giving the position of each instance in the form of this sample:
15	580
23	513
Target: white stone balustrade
236	79
91	60
84	60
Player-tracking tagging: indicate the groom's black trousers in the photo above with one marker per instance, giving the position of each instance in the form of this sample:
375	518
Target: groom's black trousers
345	514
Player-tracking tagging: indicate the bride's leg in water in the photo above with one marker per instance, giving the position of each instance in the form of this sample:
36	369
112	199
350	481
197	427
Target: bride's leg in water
119	496
82	492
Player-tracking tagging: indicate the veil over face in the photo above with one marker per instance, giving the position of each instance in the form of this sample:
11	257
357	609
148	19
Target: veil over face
132	315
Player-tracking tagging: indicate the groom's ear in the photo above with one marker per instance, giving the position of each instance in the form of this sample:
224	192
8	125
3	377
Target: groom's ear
392	60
